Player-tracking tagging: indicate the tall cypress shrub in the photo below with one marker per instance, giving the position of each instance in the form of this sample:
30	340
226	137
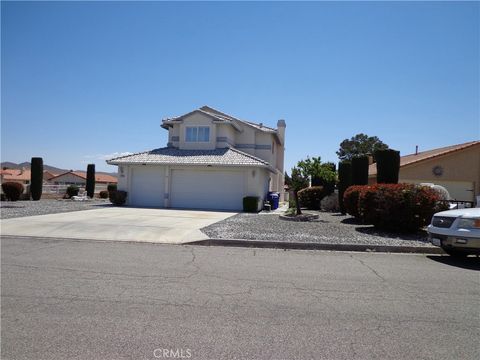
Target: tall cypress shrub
344	181
90	186
360	170
36	178
388	166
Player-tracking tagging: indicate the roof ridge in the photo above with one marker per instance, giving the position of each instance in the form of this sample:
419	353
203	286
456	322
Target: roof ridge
445	149
218	112
260	125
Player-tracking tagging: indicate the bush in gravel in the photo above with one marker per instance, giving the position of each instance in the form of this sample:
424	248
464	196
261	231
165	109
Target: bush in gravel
310	197
36	178
250	204
72	190
330	202
388	166
103	194
111	187
350	199
397	207
12	190
117	197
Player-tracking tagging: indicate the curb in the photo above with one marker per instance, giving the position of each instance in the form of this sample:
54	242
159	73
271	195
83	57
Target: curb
317	246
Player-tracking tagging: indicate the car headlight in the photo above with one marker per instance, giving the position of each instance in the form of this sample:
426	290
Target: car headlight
469	223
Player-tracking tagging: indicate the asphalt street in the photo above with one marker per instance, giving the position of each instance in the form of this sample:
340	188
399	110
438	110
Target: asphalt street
68	299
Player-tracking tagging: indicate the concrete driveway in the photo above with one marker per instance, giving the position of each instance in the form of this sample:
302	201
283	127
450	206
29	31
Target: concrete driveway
119	224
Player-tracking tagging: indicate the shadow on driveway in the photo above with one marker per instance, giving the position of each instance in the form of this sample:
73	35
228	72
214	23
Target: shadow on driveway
470	263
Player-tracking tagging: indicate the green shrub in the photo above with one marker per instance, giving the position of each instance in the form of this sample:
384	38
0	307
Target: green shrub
72	190
90	184
360	170
328	178
388	166
310	197
36	178
12	190
250	204
118	197
103	194
350	199
112	187
344	181
397	207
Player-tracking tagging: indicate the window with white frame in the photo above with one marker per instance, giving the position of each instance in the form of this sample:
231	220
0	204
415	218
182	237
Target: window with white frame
197	134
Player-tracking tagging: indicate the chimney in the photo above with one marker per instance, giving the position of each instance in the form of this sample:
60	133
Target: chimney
281	125
416	149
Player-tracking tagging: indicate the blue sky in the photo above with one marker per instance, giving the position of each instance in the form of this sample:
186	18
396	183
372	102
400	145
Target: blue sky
82	81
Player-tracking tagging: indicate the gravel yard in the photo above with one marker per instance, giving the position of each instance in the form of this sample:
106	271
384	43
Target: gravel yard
330	228
16	209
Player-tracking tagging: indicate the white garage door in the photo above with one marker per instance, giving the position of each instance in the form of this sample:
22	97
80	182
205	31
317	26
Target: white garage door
199	189
147	186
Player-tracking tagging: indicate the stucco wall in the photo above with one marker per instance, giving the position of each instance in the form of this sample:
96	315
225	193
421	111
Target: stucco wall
225	136
460	166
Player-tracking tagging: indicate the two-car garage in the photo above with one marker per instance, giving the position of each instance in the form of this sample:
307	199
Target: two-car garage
161	186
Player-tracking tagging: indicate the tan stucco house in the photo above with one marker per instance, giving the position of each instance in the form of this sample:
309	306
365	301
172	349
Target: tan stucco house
455	167
212	161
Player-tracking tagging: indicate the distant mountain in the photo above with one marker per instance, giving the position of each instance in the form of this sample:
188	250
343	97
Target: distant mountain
52	169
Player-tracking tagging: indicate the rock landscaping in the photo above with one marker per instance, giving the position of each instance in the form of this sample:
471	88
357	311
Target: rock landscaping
14	209
329	228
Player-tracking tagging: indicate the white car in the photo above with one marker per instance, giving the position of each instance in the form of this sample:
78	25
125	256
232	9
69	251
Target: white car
457	232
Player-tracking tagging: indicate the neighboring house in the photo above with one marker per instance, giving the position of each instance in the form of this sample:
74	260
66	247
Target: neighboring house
212	161
47	175
79	178
455	167
21	176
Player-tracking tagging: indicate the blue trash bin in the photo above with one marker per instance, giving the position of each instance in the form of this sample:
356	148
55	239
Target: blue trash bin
274	199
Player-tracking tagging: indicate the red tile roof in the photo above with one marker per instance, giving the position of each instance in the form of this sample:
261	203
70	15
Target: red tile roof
426	155
16	175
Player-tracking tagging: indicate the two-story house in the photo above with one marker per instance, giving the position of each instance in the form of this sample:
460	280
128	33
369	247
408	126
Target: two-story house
212	161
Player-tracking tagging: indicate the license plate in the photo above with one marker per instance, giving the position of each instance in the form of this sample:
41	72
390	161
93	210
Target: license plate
436	242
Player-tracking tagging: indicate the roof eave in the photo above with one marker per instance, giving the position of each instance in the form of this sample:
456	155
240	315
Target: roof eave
269	167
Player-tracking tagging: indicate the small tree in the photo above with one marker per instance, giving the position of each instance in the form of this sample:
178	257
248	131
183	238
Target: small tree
36	178
321	174
344	181
388	166
299	182
360	170
90	185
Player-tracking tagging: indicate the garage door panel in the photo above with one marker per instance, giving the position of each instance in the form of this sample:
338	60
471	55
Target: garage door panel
221	190
147	186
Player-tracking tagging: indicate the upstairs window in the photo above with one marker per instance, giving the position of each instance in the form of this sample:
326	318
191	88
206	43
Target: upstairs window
197	134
